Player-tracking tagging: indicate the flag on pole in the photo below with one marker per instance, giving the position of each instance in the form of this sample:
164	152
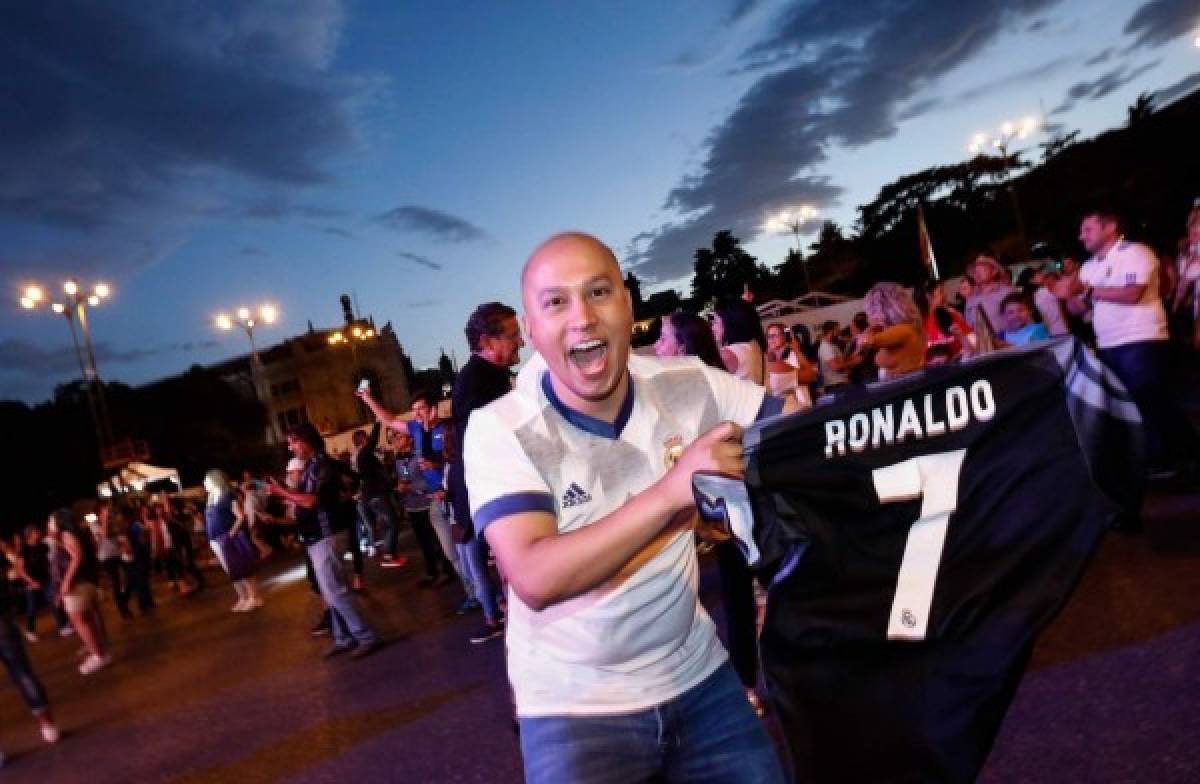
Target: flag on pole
927	257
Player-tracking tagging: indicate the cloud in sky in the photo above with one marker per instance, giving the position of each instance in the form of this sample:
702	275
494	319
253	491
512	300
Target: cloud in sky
434	224
1159	21
833	73
335	231
417	258
22	358
955	102
1101	86
123	105
1181	88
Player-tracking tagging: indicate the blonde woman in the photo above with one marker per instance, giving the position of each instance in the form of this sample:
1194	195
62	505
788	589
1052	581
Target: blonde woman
897	330
229	536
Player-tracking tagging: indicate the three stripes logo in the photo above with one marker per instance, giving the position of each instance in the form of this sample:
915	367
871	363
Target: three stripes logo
574	496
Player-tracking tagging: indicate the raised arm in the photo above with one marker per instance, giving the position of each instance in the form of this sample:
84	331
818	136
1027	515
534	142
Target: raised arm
381	413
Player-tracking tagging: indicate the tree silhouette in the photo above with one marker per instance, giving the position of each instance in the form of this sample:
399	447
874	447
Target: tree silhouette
1141	109
1056	144
723	269
634	284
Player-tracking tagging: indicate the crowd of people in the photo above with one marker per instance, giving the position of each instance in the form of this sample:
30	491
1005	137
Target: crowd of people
550	467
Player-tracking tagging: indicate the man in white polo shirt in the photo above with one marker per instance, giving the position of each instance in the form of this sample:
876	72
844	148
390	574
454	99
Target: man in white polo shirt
1132	337
580	478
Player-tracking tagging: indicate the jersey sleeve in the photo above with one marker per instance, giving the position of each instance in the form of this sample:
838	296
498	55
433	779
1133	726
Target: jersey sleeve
501	480
1138	266
737	400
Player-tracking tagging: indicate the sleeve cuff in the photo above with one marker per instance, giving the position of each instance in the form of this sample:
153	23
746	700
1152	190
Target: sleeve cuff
512	504
771	406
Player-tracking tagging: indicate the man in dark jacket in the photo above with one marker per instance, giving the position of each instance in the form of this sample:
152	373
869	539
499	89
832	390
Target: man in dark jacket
495	342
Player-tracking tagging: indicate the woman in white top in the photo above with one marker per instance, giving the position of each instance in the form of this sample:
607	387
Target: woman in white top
788	371
739	333
686	334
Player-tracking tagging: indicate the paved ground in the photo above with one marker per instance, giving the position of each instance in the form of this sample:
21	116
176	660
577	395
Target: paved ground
198	694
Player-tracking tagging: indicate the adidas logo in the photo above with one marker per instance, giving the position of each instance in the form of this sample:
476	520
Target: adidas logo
575	496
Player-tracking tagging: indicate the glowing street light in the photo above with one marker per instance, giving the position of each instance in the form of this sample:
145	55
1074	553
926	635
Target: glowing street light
246	319
793	219
74	308
1010	130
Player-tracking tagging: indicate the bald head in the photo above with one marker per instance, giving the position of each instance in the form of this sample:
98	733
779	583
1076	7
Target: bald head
579	317
569	244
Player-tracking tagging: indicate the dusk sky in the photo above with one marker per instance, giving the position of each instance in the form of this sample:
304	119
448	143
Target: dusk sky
201	154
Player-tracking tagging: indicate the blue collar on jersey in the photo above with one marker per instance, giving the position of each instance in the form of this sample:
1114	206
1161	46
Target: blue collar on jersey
590	424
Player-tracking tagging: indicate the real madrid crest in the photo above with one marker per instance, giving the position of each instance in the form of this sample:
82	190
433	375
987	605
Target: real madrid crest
672	449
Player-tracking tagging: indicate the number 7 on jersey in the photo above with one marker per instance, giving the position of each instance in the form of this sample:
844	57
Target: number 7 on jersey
933	479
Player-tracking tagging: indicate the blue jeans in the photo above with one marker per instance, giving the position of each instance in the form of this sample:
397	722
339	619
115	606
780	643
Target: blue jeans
12	652
376	508
1144	369
348	624
707	735
475	571
42	597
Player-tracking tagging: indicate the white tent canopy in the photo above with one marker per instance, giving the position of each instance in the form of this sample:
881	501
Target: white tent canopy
135	477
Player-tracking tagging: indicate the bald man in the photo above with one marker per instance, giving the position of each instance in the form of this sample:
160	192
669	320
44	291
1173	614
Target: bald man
580	478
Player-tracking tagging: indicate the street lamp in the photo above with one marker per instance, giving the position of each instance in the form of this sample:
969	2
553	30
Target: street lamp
792	219
73	306
1010	131
248	320
352	337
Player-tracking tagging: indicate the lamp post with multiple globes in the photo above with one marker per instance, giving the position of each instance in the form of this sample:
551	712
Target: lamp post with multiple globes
248	320
357	333
1009	132
792	219
73	305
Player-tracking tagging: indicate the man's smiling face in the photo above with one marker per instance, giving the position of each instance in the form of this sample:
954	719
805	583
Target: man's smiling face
579	317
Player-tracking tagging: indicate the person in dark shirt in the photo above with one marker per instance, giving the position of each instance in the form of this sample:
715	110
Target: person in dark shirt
375	495
136	557
39	591
321	518
495	340
12	653
75	572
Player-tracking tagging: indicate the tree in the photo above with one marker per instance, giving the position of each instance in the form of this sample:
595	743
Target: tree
634	284
1056	144
662	303
1142	109
723	269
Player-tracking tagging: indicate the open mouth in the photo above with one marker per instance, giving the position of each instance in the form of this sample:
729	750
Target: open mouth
589	355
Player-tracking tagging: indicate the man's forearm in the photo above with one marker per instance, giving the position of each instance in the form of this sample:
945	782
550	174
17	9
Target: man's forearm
557	566
1120	295
381	413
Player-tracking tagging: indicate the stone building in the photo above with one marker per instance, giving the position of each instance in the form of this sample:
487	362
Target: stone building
312	377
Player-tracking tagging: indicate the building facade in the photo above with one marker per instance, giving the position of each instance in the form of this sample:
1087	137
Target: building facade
313	377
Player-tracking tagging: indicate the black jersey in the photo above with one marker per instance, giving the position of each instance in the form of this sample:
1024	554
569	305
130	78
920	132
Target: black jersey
920	535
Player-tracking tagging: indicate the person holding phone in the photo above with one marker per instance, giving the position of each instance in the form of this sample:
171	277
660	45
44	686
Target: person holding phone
320	522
